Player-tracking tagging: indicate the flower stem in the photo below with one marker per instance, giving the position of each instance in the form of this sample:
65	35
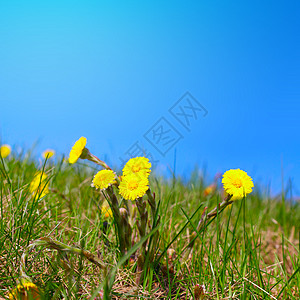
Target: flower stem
117	219
204	218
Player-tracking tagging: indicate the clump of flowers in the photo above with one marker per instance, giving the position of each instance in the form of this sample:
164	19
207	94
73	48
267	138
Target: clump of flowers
48	153
237	183
5	150
39	184
143	221
133	185
134	181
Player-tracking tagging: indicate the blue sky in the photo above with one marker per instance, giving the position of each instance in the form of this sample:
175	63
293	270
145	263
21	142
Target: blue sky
109	70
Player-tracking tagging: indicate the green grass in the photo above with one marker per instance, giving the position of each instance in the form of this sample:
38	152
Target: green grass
248	251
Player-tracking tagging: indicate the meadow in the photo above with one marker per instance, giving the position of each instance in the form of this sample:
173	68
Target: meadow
65	239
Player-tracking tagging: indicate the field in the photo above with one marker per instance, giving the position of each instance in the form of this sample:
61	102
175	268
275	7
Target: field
63	237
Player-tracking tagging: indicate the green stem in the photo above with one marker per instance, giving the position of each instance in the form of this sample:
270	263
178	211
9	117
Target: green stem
141	206
117	218
152	203
126	227
204	218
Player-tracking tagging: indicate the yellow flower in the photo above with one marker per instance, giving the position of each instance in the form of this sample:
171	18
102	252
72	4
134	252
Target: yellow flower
106	211
103	179
48	153
139	166
76	150
133	186
210	189
237	183
25	291
5	150
39	184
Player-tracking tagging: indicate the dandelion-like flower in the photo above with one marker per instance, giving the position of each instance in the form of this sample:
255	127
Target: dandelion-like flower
5	150
103	179
106	212
25	291
48	153
39	184
139	166
237	183
133	186
77	150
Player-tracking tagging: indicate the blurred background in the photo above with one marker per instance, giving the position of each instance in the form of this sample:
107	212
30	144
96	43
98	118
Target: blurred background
118	73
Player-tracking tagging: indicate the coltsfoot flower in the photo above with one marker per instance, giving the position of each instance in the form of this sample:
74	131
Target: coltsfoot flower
77	150
48	153
237	183
138	165
25	291
39	184
5	150
133	186
103	179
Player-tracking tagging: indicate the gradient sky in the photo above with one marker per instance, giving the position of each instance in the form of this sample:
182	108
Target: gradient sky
109	70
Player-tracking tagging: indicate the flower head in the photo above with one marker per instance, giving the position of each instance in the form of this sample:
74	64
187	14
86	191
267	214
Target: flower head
103	179
76	150
133	186
106	211
25	291
48	153
39	184
5	150
237	183
139	166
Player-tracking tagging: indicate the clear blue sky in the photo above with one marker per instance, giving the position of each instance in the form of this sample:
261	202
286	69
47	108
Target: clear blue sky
110	70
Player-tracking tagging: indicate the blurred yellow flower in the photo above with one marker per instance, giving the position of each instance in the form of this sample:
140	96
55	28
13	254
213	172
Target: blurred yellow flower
209	190
48	153
237	183
39	184
138	165
76	150
25	291
103	179
106	212
133	186
5	150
